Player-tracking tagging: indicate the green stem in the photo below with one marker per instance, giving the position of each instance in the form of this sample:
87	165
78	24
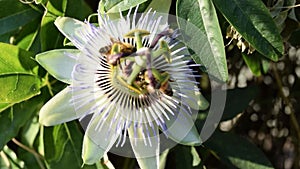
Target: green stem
36	155
138	40
5	159
294	123
129	163
136	69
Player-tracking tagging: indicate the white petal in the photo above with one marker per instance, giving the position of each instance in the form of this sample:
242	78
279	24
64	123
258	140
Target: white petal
147	155
59	63
91	152
99	140
182	130
58	109
71	28
195	99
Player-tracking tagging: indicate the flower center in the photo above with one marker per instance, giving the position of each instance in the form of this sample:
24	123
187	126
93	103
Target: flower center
130	66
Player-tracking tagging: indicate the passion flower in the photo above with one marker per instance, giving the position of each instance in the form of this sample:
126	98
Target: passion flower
129	79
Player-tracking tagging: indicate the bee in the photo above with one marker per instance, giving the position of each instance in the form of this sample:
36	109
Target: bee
116	51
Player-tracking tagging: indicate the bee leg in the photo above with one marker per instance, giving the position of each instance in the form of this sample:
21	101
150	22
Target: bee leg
113	59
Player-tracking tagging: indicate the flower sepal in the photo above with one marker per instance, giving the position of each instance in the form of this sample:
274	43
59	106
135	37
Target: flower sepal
58	110
181	129
91	152
71	28
59	63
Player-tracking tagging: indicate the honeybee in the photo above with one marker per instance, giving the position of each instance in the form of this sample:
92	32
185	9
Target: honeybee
116	51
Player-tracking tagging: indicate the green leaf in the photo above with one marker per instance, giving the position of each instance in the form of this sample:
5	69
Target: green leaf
28	136
30	131
108	4
183	158
257	63
163	159
28	158
265	65
9	7
28	37
14	15
160	6
196	158
18	79
63	146
190	10
73	8
124	5
58	63
237	152
9	159
12	119
253	62
254	22
215	38
9	23
14	60
205	37
237	100
50	41
4	106
18	87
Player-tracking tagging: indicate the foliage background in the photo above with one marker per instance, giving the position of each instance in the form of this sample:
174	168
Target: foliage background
260	124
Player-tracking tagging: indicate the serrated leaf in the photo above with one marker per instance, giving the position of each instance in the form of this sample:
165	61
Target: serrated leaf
254	22
237	100
237	152
204	37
